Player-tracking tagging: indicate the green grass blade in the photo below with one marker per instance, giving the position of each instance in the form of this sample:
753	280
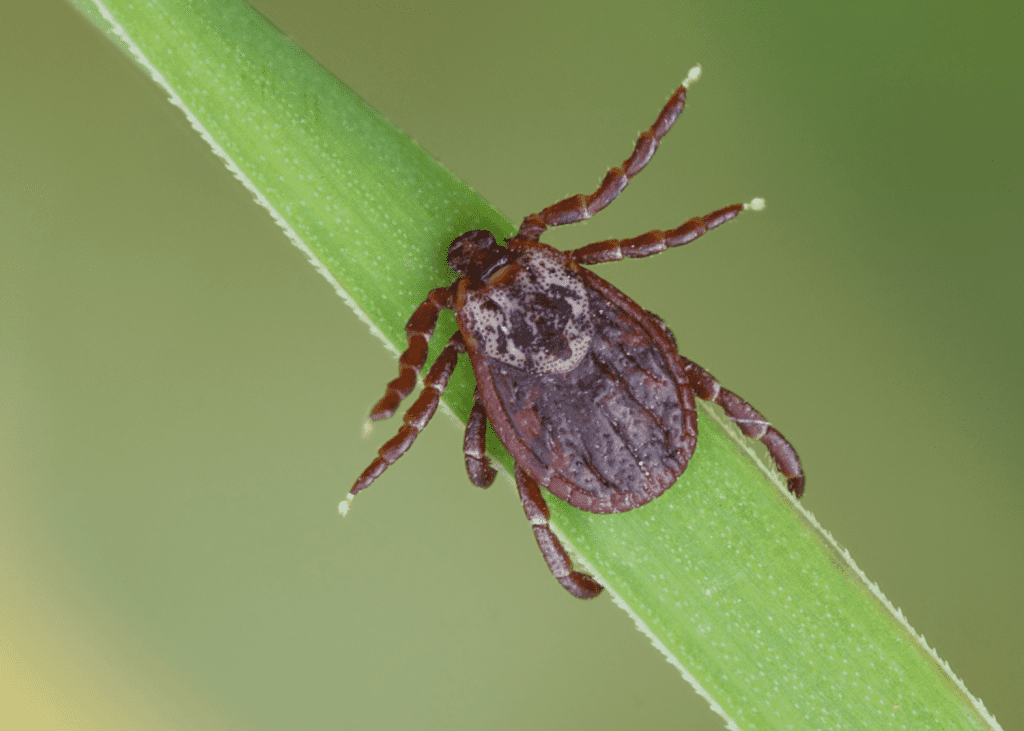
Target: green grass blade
761	611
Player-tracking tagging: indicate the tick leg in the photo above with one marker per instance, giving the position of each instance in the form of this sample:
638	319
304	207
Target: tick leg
750	422
418	330
577	584
418	414
478	465
581	207
655	242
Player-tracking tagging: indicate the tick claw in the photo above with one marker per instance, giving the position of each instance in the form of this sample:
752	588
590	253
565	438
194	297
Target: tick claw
692	76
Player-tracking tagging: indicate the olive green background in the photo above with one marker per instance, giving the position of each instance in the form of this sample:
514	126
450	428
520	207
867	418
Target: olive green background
182	396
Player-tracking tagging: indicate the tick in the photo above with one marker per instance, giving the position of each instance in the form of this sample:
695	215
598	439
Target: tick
585	388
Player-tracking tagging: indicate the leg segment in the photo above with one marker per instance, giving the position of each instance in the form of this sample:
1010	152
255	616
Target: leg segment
577	584
581	207
418	330
654	242
478	465
418	414
750	422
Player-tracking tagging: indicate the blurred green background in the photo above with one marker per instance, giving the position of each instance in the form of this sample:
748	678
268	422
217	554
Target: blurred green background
182	395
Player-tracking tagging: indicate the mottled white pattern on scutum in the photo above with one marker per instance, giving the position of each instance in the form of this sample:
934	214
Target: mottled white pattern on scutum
535	317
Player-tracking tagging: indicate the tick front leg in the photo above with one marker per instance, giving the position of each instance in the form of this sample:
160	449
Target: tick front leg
655	242
581	207
577	584
418	331
751	423
416	417
478	464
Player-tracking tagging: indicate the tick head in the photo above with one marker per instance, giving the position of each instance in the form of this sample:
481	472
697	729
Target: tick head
477	255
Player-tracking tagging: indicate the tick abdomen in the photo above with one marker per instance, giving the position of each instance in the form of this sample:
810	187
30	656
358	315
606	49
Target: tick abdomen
612	426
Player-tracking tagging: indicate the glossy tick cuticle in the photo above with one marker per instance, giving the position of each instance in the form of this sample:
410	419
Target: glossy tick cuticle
585	388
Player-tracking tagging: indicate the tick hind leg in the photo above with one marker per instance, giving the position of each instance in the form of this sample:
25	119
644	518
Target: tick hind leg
478	465
577	584
415	418
581	207
750	422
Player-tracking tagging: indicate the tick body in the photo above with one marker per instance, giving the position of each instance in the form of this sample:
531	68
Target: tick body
584	387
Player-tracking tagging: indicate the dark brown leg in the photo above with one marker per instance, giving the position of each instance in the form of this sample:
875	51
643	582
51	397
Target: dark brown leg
415	418
581	207
418	330
750	422
577	584
478	465
655	242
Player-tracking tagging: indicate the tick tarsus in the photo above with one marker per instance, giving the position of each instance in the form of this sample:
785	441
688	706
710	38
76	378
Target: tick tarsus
581	207
750	422
558	561
418	415
655	242
488	273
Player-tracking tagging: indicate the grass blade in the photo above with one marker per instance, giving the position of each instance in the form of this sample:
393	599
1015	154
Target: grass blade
761	611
